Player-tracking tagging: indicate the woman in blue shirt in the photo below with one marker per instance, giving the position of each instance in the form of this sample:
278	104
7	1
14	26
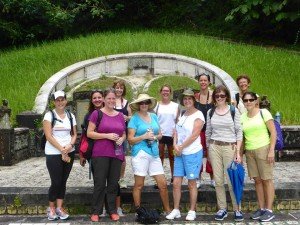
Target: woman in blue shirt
143	136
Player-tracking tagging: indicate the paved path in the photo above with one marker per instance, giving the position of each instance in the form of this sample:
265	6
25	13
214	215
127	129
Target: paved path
282	218
33	173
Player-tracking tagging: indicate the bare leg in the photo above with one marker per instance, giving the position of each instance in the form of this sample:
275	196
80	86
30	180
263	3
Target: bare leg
177	182
137	190
193	194
123	169
161	148
118	202
269	193
260	192
163	191
59	203
171	158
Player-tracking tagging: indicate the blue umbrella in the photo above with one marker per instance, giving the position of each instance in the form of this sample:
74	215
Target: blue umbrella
236	173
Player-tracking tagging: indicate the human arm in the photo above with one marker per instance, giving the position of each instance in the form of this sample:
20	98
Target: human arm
91	133
272	131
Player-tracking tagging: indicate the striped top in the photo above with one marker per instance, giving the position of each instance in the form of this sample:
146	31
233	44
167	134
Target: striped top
223	128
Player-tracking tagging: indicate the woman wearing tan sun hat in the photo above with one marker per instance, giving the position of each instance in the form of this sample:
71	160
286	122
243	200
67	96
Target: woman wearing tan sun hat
143	135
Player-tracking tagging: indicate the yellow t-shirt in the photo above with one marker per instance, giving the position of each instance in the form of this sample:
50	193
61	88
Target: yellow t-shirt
255	130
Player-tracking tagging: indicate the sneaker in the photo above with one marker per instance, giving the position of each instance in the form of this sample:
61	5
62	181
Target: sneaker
114	217
267	216
95	218
191	216
221	214
122	183
120	212
62	214
198	183
51	214
257	214
103	213
174	214
238	216
212	183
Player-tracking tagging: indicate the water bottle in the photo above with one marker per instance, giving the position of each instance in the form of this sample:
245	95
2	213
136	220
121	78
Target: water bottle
278	117
149	142
118	149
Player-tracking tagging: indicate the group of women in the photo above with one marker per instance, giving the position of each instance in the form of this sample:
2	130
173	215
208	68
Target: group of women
209	125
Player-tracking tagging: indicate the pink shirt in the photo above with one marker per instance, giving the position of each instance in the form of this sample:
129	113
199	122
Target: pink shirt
108	124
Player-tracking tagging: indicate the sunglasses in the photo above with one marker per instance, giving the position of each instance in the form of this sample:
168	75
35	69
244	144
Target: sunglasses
248	100
220	96
144	103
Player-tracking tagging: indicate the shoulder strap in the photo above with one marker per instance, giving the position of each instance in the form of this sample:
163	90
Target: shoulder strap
232	112
157	108
71	121
212	111
261	114
100	114
53	118
237	98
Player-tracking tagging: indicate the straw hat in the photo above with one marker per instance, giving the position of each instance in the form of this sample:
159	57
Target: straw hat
187	92
141	98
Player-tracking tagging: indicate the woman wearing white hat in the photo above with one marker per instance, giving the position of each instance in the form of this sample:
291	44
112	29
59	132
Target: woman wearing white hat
59	127
143	135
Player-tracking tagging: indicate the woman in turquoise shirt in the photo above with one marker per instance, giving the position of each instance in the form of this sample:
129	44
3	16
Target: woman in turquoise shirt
143	136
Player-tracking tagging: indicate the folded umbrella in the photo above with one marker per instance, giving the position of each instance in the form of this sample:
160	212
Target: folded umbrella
236	173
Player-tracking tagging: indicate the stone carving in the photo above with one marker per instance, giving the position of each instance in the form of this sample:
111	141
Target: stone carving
5	113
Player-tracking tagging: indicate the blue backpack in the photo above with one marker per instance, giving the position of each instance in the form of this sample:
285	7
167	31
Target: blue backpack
279	137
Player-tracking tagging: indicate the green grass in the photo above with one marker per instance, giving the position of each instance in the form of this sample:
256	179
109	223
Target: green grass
274	72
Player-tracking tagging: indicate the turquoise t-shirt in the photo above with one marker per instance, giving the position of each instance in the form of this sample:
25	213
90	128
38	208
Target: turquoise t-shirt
255	130
140	126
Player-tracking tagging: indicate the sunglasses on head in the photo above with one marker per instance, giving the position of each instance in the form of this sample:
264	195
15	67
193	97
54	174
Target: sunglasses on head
220	96
248	100
144	103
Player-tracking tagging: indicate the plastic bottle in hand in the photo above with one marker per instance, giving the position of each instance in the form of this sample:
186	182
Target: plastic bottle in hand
118	149
149	142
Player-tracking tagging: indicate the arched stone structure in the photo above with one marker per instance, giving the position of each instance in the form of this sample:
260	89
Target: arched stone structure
134	64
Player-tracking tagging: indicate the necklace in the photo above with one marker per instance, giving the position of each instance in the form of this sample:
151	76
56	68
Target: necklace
183	121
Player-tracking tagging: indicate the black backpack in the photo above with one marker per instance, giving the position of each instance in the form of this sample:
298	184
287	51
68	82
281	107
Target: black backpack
54	119
146	216
237	98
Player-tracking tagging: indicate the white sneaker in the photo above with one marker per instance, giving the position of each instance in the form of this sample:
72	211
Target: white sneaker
198	183
174	214
61	213
51	214
103	213
120	212
212	183
191	216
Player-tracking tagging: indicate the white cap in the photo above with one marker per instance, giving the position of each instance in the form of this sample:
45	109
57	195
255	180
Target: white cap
59	94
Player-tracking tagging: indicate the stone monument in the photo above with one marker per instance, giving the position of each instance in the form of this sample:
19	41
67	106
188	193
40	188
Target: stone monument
5	113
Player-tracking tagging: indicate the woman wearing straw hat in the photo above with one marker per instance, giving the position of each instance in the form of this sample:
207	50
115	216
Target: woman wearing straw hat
188	154
143	135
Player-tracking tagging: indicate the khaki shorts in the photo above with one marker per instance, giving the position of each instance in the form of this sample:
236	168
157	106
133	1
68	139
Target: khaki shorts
258	165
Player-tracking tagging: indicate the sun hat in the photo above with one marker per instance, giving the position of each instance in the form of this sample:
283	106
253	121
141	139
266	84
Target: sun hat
58	94
141	98
187	92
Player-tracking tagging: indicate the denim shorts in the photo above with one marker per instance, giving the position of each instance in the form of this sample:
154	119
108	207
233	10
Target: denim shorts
188	165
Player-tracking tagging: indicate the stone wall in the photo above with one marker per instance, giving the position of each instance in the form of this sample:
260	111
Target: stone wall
16	145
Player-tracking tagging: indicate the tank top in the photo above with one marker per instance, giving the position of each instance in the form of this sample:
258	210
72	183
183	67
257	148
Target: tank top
203	108
123	109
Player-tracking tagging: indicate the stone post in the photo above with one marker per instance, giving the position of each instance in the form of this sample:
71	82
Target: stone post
5	113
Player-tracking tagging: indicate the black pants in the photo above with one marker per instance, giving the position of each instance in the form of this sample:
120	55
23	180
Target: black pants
59	172
106	174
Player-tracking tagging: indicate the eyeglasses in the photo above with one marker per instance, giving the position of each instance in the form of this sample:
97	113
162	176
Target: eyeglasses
144	103
220	96
248	100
